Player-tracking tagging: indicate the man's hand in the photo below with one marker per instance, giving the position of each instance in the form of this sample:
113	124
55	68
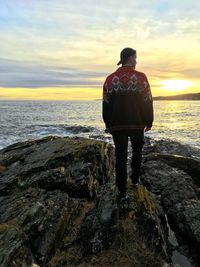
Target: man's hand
146	129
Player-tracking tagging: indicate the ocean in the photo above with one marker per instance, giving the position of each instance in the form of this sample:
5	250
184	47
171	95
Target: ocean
25	120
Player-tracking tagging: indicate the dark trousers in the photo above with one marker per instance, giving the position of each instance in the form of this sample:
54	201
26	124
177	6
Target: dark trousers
121	147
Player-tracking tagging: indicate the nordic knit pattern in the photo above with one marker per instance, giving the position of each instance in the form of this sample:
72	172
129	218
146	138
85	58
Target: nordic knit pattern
127	100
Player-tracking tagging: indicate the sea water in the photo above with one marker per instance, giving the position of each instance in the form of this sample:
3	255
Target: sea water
24	120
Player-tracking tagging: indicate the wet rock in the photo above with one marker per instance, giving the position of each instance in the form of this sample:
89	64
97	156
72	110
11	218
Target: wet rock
167	146
46	218
101	226
161	178
76	129
118	231
14	247
185	218
187	164
106	220
37	180
32	223
178	195
147	219
75	165
171	173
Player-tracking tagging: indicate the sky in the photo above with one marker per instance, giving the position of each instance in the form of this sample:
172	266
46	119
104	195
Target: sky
64	50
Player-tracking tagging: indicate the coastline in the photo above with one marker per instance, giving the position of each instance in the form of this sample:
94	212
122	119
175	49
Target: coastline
43	180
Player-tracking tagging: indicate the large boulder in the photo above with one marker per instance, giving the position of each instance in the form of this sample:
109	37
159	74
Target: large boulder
41	182
74	165
189	165
167	146
178	195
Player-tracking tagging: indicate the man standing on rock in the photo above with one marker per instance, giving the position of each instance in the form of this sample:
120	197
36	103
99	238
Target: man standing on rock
127	112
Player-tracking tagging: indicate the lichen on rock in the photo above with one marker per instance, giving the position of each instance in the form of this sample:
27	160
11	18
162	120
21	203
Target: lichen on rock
59	205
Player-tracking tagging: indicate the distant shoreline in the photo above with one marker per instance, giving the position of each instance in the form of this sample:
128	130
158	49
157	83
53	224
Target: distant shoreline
186	97
195	96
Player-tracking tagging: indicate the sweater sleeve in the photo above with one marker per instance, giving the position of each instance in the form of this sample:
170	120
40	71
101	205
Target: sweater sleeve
148	103
106	105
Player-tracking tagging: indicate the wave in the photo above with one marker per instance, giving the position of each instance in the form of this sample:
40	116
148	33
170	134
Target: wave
30	132
61	129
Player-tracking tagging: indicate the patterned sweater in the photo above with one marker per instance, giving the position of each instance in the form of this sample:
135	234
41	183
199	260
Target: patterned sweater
127	100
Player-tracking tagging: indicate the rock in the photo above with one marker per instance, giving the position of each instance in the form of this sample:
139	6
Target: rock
32	223
107	216
2	169
187	164
76	129
74	165
101	226
37	179
145	212
171	173
59	206
178	196
185	218
114	230
166	146
14	250
162	179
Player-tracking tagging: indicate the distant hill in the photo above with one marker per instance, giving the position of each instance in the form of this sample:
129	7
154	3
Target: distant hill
179	97
195	96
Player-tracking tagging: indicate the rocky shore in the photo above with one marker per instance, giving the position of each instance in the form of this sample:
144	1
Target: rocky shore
59	206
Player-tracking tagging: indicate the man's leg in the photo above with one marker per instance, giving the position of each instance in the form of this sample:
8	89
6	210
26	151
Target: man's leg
121	145
137	142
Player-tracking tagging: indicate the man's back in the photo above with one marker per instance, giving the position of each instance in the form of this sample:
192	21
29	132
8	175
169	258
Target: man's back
127	100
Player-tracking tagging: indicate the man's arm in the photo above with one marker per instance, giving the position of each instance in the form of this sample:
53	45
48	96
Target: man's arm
148	102
106	105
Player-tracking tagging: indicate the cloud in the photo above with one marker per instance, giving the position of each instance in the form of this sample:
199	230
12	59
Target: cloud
19	74
76	43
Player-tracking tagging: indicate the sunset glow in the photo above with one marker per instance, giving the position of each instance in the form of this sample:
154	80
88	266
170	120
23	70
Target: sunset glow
175	85
52	57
